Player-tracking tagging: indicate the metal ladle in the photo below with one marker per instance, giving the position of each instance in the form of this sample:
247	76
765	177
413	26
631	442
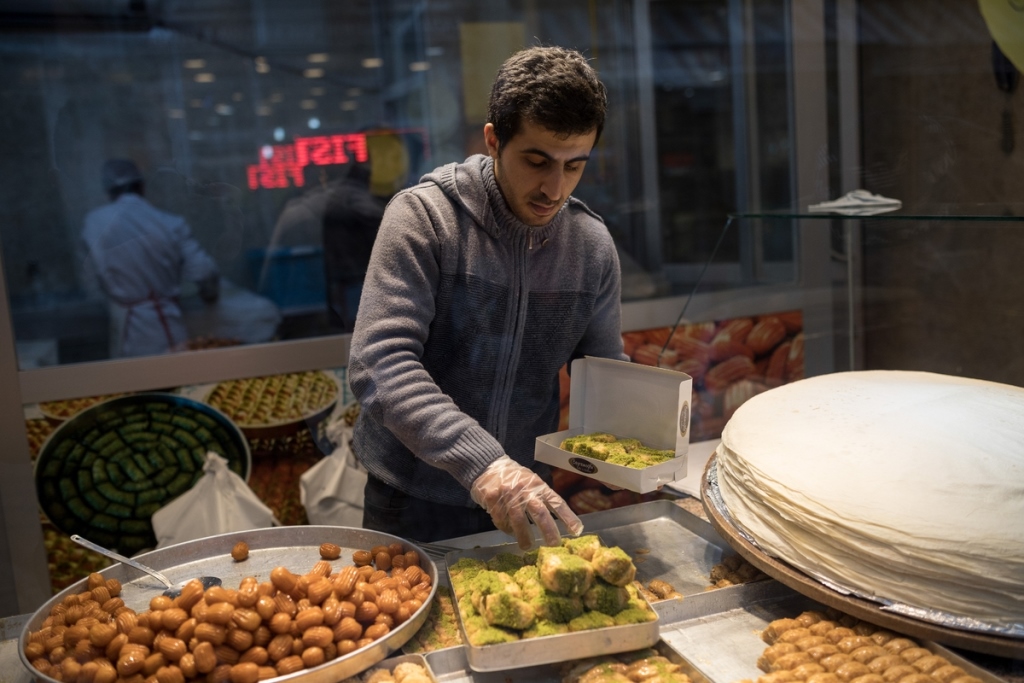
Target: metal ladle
173	590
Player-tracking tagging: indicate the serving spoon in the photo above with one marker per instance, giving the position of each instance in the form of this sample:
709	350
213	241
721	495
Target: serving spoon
173	590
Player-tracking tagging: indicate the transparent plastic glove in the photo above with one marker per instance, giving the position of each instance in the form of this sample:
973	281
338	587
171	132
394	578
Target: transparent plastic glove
513	495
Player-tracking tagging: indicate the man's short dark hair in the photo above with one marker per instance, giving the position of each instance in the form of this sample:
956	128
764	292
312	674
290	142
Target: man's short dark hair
552	87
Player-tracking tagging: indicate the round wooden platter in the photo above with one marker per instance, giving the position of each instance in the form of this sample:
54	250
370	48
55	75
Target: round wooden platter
1003	646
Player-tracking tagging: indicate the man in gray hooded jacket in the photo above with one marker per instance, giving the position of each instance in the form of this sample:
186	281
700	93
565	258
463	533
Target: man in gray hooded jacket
485	279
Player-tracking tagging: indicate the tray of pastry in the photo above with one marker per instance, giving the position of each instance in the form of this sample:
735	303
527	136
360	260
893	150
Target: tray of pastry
672	548
276	405
859	606
657	664
341	588
773	634
516	609
406	668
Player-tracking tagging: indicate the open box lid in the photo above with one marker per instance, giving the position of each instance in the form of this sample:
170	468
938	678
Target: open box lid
631	400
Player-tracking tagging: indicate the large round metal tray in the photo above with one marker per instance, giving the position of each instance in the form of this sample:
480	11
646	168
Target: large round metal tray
294	547
105	471
867	610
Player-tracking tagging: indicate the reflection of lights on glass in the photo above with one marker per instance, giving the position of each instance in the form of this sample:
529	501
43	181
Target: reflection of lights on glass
317	58
237	97
267	151
195	103
205	77
353	92
224	109
308	104
434	51
313	123
313	73
373	63
317	92
195	63
263	110
276	97
279	134
419	66
195	135
261	65
176	113
349	105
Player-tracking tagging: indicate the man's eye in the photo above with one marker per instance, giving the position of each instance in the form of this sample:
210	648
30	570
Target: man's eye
536	163
572	168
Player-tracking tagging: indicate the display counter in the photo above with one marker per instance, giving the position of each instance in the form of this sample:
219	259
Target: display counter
714	636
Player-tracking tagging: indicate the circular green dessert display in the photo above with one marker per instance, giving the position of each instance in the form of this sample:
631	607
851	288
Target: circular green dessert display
104	472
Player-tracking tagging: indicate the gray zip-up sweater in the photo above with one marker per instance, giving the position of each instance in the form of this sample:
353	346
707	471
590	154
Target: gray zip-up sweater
466	316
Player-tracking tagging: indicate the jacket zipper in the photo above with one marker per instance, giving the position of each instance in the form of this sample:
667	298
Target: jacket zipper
504	390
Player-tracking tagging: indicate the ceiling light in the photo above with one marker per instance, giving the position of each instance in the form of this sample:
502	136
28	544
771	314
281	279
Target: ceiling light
317	92
373	63
308	104
205	77
279	134
195	63
261	65
353	92
263	110
267	152
313	123
313	73
224	109
317	58
434	51
349	105
419	66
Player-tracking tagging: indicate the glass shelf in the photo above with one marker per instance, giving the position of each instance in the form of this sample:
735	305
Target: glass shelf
931	212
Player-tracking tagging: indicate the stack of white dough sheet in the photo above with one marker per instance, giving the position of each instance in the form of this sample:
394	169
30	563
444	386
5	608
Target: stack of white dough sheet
904	487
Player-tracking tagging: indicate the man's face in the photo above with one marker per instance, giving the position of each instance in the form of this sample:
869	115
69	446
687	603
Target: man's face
538	170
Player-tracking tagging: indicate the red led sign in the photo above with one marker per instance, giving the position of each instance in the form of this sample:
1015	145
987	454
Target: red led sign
284	166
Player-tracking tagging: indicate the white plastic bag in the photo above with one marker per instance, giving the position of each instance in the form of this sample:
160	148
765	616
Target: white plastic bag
218	503
332	490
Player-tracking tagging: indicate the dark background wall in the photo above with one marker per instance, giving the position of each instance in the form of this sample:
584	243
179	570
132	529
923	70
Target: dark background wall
941	295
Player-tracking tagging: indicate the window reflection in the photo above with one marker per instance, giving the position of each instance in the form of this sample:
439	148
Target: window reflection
276	132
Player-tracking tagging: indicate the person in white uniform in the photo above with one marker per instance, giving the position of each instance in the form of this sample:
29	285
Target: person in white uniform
141	256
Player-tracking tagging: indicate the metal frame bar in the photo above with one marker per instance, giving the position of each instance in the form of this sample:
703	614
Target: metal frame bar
810	144
648	134
848	73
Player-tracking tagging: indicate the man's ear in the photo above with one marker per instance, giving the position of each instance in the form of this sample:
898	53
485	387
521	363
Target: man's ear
491	140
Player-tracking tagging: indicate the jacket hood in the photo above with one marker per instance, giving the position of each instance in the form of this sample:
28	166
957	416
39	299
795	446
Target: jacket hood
471	185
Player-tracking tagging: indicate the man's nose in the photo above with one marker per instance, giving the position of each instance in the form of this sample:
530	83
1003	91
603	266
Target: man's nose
552	184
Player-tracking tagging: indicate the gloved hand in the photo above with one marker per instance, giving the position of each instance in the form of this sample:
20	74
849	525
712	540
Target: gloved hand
513	495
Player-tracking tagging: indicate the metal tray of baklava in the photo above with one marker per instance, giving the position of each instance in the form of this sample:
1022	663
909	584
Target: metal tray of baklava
547	649
451	666
665	541
722	640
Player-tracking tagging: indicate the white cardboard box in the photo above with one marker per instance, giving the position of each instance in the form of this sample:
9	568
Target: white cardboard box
628	400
